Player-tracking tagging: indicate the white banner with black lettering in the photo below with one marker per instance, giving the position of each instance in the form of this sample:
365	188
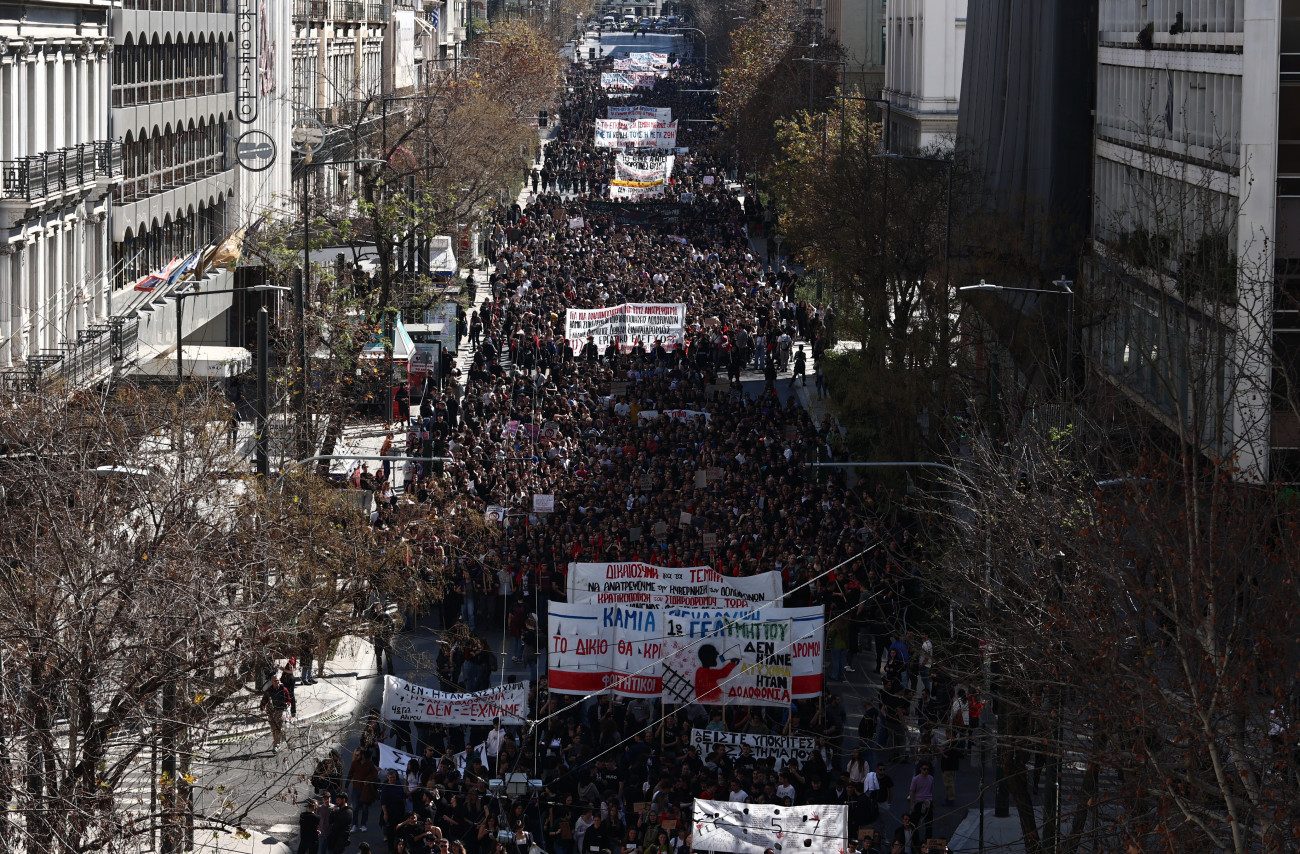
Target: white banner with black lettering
647	585
405	701
628	325
782	748
627	80
648	652
659	114
737	828
391	759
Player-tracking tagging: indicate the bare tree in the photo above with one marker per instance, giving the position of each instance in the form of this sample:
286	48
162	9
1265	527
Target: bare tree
142	590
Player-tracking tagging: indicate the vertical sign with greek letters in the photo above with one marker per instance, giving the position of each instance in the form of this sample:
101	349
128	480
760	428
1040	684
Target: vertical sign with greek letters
246	80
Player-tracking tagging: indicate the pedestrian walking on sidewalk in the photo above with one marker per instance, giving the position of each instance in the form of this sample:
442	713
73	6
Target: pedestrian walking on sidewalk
383	639
275	699
920	794
800	367
290	683
363	782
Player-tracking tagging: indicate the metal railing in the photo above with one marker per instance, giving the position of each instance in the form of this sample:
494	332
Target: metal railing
49	173
339	10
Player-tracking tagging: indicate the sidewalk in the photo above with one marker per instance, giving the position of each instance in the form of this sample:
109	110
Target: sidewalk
236	766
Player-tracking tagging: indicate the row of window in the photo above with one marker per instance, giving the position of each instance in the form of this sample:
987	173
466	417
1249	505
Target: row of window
1212	16
177	5
1148	106
161	162
140	254
148	73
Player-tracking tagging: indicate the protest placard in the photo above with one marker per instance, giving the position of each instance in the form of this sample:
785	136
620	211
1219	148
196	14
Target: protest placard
406	701
741	828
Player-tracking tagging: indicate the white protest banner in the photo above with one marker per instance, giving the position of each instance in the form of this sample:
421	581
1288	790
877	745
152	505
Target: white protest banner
649	61
405	701
647	585
543	503
675	414
391	759
628	325
577	222
628	79
594	648
739	828
641	133
661	114
494	513
780	747
724	661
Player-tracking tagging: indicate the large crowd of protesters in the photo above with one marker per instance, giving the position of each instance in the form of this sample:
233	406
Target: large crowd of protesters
726	484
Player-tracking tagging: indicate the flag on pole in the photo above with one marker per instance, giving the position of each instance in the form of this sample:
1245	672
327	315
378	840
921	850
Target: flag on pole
435	15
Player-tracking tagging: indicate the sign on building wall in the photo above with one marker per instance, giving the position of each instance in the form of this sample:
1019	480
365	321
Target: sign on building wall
247	69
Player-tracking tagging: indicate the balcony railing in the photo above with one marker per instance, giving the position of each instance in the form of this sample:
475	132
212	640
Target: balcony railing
40	175
339	10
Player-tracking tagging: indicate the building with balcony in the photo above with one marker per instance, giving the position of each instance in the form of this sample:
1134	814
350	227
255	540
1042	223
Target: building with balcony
1195	216
57	167
925	42
338	76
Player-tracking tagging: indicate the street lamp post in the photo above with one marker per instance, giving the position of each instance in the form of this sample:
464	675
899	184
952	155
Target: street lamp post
704	39
261	434
1064	287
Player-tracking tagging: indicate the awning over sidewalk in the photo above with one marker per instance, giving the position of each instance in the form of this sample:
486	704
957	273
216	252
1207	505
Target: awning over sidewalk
403	346
201	361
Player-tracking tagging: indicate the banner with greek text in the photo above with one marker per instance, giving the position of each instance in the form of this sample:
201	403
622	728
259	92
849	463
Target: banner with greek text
631	651
642	133
628	79
628	325
724	661
631	114
649	586
782	748
739	828
404	701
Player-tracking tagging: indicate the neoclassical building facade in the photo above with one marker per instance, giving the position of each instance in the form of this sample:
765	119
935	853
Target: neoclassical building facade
58	165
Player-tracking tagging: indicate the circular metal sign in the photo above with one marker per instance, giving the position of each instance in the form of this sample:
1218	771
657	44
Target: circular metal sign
308	135
255	150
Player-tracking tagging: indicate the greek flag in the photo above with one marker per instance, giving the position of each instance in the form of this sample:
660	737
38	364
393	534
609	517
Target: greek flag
435	16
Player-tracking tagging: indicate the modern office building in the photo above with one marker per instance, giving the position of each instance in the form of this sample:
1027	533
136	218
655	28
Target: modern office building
925	42
58	165
1195	249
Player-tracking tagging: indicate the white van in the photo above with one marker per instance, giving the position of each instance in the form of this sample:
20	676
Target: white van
629	22
608	22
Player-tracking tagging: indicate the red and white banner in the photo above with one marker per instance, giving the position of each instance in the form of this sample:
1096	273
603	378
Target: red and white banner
594	648
405	701
650	586
628	325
